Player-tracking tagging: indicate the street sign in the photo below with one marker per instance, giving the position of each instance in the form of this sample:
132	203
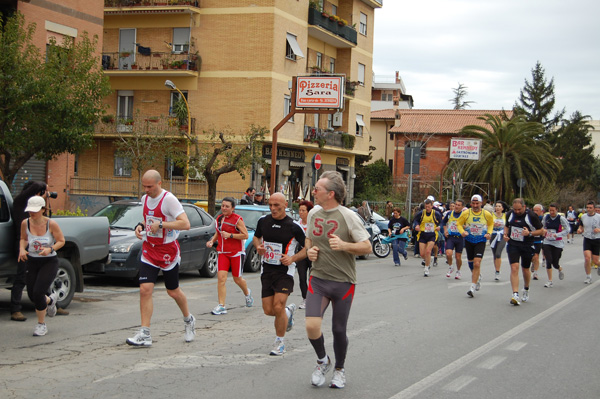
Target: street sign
461	148
316	162
320	92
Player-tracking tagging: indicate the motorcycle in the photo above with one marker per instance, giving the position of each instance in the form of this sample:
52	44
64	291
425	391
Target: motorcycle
381	248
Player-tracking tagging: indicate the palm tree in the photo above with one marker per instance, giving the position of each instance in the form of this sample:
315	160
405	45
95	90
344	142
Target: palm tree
509	152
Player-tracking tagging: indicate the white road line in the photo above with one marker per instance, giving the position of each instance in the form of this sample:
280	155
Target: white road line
444	372
459	383
516	346
491	362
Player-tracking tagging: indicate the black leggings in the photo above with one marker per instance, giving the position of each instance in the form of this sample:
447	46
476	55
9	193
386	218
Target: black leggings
303	267
552	255
41	272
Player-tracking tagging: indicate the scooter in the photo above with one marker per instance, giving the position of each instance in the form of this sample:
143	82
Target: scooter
382	245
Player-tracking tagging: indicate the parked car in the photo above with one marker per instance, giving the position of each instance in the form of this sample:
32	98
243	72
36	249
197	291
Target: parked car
125	247
381	222
86	243
251	214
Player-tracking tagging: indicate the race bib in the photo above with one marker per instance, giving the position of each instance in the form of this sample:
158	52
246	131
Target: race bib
551	235
429	227
452	227
516	233
476	229
38	244
149	221
273	252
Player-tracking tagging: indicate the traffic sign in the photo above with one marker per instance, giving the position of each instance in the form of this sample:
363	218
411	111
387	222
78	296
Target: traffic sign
316	162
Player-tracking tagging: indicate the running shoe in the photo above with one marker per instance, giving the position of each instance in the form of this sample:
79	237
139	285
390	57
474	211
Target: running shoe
588	280
535	276
318	375
219	309
426	273
450	270
303	304
405	254
525	295
515	299
457	276
290	324
51	308
279	348
549	284
434	262
397	264
423	263
40	329
190	328
561	275
470	293
478	285
497	276
140	339
339	379
249	299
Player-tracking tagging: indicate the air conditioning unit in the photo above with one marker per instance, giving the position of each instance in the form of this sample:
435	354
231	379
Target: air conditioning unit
337	119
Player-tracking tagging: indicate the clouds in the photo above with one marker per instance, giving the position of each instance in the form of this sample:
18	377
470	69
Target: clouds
491	48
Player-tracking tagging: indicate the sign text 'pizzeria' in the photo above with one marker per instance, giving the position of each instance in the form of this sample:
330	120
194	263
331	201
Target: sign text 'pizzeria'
320	92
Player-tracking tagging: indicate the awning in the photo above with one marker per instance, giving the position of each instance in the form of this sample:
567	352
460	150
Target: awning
359	120
269	162
344	168
294	45
297	164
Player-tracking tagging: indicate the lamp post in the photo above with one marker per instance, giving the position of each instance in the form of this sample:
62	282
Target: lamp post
172	86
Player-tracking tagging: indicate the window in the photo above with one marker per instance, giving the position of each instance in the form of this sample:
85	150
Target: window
173	170
287	106
319	60
181	39
122	166
292	48
363	24
316	120
360	124
361	74
330	121
333	9
193	216
76	165
124	105
174	98
332	65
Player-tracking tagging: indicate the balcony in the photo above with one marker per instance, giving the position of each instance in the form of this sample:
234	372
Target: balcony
330	31
152	63
149	6
374	3
323	137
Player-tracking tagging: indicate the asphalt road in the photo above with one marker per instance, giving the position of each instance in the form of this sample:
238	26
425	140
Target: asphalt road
410	337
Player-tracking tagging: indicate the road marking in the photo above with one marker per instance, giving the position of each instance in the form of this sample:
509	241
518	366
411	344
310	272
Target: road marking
459	383
491	362
516	346
433	379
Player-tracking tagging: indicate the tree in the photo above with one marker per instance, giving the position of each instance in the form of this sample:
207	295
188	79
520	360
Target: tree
49	105
222	152
373	181
460	93
572	145
537	100
510	151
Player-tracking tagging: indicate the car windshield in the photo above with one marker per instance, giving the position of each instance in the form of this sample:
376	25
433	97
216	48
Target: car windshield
122	216
250	217
378	217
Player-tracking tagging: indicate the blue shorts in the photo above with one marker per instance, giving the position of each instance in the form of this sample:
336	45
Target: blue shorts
456	243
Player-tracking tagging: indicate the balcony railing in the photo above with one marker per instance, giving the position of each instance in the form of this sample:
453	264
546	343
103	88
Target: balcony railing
150	3
316	17
127	61
324	137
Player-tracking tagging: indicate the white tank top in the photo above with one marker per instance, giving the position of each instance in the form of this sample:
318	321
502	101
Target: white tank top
38	243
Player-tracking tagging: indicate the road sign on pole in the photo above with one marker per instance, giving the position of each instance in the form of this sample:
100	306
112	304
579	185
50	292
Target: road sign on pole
316	162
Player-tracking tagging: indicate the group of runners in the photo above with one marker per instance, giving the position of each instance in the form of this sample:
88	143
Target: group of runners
531	237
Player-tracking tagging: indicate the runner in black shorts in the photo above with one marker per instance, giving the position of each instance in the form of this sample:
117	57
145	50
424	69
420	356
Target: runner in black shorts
590	227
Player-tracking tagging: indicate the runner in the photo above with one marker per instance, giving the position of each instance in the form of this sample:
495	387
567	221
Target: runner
476	226
590	227
276	239
231	235
556	228
497	243
572	219
335	237
303	265
164	217
454	240
427	225
522	225
538	209
398	225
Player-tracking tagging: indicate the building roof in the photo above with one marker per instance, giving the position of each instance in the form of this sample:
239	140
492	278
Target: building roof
441	121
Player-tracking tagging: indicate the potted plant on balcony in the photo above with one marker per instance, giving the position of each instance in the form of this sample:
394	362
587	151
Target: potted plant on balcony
181	113
153	119
134	65
108	119
348	141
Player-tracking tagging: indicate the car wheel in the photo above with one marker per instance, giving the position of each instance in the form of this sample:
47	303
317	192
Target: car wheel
253	261
211	266
64	283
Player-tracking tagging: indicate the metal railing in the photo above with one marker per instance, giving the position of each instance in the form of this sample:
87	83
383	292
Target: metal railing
153	60
327	137
152	3
316	17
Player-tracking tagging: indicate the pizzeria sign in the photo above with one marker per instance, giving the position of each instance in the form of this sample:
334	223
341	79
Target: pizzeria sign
320	92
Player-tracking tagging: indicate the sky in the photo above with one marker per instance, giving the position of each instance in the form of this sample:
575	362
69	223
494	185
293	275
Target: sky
490	47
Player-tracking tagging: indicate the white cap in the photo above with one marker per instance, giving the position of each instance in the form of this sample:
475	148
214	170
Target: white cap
35	203
476	197
431	198
436	203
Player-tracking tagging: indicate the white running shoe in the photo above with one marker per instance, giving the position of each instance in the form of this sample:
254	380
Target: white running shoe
426	273
450	270
290	324
318	375
140	339
219	309
515	299
478	285
249	299
588	280
339	379
457	276
51	308
549	284
279	348
470	293
434	262
497	276
561	274
535	276
525	295
40	329
190	328
303	304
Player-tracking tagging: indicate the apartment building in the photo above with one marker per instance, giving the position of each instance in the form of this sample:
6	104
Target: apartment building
233	61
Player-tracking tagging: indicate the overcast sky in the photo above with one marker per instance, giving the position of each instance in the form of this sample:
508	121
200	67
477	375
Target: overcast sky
491	47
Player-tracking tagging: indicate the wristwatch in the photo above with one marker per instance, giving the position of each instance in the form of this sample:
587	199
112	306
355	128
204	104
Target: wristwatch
231	235
160	225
